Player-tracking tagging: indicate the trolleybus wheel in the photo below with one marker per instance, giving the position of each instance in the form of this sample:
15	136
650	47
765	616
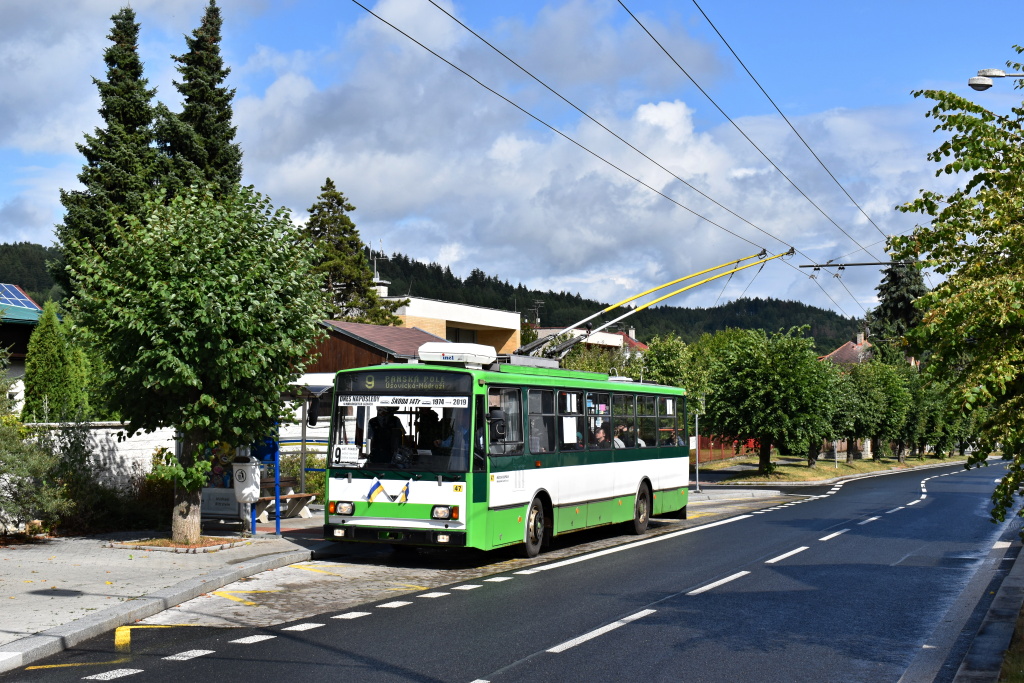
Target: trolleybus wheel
642	510
534	528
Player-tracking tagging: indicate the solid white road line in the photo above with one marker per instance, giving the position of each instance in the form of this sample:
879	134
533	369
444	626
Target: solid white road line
718	583
631	546
785	555
831	536
600	631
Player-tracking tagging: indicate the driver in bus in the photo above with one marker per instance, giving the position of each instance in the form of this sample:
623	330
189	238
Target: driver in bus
386	433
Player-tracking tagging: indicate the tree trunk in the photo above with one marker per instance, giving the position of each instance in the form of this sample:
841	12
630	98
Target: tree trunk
876	448
764	464
901	452
851	448
813	450
185	516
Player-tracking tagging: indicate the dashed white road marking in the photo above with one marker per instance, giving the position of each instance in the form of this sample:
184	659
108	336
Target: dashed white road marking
833	535
600	631
1000	545
111	675
395	603
499	578
867	521
913	502
466	587
351	615
785	555
249	640
187	655
718	583
303	627
438	594
901	507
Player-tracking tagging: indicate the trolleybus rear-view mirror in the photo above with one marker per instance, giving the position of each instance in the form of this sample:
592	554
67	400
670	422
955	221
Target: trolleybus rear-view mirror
313	411
496	422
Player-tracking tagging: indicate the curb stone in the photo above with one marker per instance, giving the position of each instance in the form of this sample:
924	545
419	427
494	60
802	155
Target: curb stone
171	549
55	640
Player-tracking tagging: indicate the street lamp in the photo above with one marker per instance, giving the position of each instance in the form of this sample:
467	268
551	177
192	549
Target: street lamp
983	81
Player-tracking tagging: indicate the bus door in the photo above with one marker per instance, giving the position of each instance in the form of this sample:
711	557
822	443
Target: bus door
506	460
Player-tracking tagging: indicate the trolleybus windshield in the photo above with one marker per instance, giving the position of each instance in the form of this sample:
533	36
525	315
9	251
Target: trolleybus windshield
378	431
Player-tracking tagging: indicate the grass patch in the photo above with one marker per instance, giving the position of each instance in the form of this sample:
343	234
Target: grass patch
1012	670
795	469
204	542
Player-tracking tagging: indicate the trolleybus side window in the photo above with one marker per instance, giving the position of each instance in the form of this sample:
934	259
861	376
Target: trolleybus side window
647	421
542	420
509	401
667	421
570	420
623	420
599	420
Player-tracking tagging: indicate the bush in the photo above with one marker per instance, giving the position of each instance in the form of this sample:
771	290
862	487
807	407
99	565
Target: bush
291	465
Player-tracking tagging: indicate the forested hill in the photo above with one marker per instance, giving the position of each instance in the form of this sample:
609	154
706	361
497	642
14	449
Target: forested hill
409	277
24	264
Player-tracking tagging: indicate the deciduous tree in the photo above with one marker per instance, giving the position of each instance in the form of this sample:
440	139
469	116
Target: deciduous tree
772	388
973	321
207	308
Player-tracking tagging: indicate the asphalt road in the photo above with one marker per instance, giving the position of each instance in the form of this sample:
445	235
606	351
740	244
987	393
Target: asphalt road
879	579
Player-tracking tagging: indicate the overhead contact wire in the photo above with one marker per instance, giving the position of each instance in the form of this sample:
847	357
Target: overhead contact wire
741	131
786	119
558	132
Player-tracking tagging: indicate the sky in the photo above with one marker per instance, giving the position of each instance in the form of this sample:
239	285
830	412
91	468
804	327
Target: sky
444	170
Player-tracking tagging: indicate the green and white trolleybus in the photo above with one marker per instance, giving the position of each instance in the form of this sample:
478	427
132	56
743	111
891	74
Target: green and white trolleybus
463	448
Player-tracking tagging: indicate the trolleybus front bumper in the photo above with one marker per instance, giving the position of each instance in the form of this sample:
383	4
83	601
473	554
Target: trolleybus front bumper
437	537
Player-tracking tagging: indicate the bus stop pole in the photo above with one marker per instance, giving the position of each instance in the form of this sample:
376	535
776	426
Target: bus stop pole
302	451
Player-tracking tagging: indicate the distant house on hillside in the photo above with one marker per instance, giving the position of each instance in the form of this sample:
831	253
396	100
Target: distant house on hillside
606	340
19	315
851	353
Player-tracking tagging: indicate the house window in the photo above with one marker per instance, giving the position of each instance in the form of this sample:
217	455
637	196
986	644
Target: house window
460	335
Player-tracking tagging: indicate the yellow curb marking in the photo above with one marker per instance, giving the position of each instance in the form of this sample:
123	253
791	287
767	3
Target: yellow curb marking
233	595
409	585
122	644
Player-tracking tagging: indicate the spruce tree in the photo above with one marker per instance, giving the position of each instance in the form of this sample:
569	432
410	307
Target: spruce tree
348	279
55	375
895	315
198	144
120	162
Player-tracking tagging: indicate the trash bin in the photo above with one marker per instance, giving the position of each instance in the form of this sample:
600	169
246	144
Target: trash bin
246	473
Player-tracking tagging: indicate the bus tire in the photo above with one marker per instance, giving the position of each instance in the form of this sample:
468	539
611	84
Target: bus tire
642	510
534	528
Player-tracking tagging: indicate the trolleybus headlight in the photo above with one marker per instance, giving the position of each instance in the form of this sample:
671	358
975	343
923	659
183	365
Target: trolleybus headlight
340	508
444	512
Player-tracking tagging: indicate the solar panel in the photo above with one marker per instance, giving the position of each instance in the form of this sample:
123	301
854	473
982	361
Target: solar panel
10	295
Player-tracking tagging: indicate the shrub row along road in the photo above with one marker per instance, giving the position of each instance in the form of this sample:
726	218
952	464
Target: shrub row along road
874	580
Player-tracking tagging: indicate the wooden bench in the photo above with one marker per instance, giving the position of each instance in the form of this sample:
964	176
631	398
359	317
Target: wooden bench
292	504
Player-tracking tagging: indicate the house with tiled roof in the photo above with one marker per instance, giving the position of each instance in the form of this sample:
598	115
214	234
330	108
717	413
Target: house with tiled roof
356	345
851	353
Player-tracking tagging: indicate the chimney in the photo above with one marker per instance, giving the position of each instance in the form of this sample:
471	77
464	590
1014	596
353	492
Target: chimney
860	339
632	333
